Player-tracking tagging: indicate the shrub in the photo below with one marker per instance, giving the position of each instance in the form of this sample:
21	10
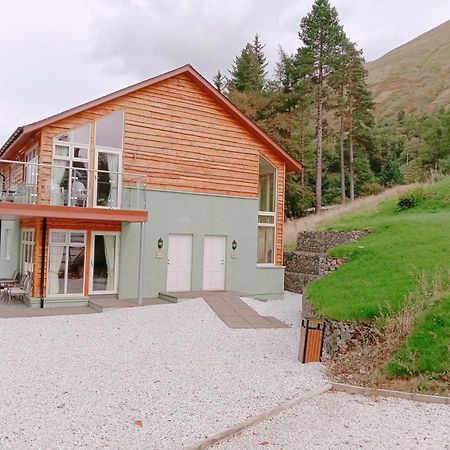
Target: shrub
406	202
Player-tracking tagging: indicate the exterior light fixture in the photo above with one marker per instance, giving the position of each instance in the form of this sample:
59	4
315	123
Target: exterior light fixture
234	245
160	243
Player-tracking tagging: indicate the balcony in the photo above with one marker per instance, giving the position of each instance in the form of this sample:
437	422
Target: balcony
74	191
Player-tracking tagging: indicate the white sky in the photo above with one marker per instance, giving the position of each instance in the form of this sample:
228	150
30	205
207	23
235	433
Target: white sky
56	54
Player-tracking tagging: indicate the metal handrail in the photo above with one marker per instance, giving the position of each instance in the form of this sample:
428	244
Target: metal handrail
25	163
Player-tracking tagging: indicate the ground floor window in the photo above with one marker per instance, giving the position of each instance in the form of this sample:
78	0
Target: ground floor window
66	262
27	250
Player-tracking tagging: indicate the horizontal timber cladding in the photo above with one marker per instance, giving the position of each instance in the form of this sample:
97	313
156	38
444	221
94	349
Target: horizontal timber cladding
61	224
181	139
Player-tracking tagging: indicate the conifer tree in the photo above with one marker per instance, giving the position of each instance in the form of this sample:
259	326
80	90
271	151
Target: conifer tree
248	71
321	36
220	82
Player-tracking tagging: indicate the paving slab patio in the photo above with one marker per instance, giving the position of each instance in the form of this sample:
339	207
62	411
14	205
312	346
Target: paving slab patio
231	309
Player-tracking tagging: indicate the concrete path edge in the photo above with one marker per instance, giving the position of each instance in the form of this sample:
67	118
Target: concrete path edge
226	434
372	392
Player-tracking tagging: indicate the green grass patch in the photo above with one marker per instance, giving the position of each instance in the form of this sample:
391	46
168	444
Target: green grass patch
385	266
427	348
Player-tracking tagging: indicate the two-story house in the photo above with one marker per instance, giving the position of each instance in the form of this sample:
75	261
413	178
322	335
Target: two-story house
162	186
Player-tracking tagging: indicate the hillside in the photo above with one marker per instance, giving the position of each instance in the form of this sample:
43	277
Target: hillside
415	76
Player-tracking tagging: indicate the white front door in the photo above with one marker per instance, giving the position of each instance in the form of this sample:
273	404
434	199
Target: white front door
214	263
179	263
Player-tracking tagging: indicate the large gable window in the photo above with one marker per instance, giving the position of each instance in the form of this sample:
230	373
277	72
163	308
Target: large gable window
70	172
267	212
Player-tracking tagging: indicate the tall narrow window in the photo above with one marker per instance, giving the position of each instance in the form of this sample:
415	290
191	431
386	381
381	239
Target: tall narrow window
70	175
6	241
27	250
66	262
267	212
108	159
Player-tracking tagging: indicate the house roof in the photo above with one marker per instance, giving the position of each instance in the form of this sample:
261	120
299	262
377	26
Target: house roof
22	134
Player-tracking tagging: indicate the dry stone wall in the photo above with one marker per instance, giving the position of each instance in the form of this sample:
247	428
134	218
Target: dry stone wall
309	261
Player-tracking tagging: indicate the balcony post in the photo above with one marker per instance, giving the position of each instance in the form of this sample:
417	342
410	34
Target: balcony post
141	262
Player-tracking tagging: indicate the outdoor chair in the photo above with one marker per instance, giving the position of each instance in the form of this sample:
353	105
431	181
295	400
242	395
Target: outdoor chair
19	290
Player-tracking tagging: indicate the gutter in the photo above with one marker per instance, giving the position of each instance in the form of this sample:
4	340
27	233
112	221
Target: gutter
11	140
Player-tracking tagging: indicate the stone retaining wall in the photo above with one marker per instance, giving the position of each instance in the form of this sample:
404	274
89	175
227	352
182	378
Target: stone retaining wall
340	336
309	261
321	241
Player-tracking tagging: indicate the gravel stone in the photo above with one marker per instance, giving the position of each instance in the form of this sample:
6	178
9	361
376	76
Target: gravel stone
344	421
156	377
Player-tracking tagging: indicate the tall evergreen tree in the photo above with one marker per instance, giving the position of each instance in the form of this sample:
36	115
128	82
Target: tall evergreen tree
220	82
321	36
248	72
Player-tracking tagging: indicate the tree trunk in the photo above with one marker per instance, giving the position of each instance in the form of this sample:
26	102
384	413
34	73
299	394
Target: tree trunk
302	151
319	141
350	145
341	144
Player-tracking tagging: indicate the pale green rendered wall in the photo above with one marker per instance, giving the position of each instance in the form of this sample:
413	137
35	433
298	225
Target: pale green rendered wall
198	215
7	267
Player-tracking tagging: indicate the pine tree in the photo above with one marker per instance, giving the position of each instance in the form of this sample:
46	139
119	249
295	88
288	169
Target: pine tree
321	36
220	82
248	71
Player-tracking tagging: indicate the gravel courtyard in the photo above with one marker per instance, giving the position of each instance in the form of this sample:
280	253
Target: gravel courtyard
84	381
343	421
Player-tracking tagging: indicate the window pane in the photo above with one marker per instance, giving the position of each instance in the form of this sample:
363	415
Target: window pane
75	271
266	193
109	130
82	135
60	182
56	269
108	179
76	237
266	245
79	189
80	152
65	137
266	219
58	237
62	150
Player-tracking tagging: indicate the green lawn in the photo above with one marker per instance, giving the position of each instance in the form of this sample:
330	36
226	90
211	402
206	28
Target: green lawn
427	348
384	266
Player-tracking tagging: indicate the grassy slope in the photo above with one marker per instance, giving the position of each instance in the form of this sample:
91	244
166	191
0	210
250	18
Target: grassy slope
426	350
385	265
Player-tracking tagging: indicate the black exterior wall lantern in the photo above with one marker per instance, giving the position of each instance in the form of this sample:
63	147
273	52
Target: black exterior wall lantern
234	245
160	243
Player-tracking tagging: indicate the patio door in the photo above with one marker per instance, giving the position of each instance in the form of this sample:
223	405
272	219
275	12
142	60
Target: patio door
179	263
107	179
214	263
104	267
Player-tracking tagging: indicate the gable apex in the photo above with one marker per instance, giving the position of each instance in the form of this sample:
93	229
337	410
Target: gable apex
21	134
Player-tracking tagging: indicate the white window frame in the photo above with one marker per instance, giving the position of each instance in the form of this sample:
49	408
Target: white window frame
119	153
105	149
269	214
67	244
71	144
116	263
27	249
30	175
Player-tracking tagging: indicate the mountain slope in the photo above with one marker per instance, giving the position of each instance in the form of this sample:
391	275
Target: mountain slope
414	77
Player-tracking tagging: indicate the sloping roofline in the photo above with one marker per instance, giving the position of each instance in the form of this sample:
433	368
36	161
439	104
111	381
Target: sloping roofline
22	133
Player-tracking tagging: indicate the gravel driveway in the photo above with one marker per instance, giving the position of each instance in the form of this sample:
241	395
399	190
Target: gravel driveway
83	381
343	421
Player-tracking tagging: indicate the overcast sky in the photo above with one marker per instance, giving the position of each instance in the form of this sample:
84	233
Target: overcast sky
58	54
